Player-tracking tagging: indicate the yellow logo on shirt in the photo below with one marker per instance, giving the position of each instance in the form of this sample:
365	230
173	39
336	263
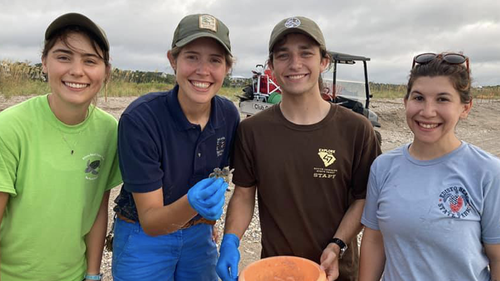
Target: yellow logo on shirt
326	156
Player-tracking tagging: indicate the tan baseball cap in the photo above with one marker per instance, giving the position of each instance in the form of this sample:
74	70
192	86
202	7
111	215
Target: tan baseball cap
75	19
297	24
197	26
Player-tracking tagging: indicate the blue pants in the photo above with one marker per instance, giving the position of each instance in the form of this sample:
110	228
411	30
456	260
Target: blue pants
188	254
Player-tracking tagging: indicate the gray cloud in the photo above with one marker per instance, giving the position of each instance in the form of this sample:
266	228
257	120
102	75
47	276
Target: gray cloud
389	32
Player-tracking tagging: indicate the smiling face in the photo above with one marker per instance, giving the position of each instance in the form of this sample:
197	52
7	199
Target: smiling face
297	64
433	109
75	71
200	70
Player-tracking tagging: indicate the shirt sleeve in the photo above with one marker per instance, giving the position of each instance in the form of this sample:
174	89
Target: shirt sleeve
490	219
139	154
369	218
363	161
115	176
236	115
242	160
9	160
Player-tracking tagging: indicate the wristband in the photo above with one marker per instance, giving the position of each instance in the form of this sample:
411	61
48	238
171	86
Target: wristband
342	245
93	276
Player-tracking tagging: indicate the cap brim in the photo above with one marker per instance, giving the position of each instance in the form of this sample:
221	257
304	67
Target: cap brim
77	20
198	35
292	30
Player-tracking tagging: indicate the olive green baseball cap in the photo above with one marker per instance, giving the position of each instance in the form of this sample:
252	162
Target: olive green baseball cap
297	24
75	19
197	26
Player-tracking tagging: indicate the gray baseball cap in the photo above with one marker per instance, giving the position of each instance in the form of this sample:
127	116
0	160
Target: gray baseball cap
197	26
75	19
297	24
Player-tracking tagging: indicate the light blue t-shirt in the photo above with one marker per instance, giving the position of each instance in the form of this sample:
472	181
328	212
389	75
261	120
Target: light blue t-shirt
434	215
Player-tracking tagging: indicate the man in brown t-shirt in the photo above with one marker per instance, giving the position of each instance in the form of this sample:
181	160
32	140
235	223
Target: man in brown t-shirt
308	159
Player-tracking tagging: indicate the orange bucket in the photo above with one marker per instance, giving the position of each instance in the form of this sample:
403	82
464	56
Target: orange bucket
283	268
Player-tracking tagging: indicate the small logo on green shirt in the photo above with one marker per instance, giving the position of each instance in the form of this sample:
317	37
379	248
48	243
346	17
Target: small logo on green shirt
93	165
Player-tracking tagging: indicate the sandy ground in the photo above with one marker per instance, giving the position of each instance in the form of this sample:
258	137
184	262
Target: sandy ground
482	128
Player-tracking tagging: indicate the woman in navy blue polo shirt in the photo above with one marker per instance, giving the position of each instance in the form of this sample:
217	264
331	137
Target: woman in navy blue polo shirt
169	143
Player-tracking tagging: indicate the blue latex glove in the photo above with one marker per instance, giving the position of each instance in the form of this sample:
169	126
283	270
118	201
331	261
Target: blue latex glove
207	197
227	265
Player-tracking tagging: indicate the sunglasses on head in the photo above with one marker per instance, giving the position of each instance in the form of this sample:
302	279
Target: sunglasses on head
451	58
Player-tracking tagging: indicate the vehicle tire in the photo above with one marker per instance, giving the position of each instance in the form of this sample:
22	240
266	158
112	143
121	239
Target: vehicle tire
248	93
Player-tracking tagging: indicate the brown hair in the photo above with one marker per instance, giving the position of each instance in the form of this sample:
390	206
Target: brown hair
323	54
457	73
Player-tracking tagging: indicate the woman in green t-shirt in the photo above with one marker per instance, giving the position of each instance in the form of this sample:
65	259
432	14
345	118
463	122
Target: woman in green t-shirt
58	161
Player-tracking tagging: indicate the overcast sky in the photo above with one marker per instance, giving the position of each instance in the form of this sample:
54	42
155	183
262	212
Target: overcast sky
389	32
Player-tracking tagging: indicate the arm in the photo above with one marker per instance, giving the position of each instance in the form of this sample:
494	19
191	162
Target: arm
157	219
4	199
349	227
372	258
240	210
493	253
239	215
95	238
206	198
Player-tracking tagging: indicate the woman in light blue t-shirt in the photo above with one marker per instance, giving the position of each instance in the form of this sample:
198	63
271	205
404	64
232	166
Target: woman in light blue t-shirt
432	210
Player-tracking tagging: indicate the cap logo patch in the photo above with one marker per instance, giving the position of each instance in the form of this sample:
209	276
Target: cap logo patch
208	22
292	22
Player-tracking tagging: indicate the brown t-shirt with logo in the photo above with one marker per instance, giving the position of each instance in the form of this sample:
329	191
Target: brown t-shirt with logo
306	178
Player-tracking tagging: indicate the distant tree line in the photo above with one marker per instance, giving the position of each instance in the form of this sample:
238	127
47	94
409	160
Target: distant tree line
381	87
138	76
25	70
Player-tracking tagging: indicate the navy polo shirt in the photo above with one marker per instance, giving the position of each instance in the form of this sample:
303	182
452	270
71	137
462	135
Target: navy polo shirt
159	148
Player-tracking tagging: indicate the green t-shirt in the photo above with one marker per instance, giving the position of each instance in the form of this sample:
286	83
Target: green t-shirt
54	195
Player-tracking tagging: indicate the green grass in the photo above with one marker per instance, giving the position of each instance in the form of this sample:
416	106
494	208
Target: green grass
127	89
231	92
21	87
9	88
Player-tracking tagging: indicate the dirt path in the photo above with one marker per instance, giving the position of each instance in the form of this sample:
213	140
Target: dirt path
482	128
